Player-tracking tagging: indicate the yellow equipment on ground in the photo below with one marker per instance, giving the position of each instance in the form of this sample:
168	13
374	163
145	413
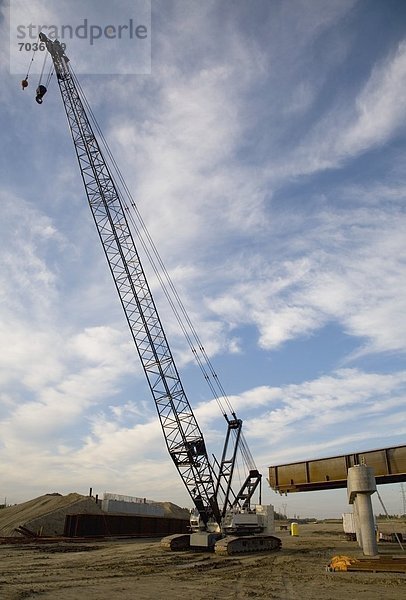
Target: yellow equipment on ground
340	563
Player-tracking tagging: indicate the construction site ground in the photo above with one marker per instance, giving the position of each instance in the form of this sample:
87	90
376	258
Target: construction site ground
138	568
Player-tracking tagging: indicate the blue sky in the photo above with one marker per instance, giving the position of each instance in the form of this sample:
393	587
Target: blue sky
266	154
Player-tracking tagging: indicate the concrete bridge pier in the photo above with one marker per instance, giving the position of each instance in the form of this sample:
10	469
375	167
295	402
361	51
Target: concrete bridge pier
360	487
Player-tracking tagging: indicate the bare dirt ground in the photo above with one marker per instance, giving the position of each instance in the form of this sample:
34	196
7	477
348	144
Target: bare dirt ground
139	569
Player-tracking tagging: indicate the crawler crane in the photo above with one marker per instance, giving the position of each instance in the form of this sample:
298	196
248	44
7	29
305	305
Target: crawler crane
222	519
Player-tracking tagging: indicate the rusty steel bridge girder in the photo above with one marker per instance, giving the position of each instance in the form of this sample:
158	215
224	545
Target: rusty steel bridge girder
389	466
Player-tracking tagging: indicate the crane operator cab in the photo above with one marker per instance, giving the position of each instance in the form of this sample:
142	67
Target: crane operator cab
41	91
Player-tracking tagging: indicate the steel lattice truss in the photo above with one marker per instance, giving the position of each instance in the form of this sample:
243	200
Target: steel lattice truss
181	431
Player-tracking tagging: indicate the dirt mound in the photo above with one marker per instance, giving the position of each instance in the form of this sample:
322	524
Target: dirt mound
45	514
173	511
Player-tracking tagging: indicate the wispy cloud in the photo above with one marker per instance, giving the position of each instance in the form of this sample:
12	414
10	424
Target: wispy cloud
380	107
350	270
321	415
348	128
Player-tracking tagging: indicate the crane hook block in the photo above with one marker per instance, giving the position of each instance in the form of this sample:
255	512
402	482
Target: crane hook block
24	83
41	91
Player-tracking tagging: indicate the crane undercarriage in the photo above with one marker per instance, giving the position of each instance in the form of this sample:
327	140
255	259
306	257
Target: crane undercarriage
224	546
239	532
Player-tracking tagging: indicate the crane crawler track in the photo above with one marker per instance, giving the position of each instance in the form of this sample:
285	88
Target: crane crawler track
176	542
245	544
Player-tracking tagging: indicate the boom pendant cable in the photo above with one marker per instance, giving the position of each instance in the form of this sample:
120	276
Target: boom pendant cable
163	277
165	280
168	287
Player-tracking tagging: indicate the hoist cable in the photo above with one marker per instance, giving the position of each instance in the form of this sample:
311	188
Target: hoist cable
30	65
32	60
50	74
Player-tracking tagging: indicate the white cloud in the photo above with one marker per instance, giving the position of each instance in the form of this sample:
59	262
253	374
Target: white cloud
27	235
133	458
371	119
27	354
350	270
380	107
63	395
347	400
